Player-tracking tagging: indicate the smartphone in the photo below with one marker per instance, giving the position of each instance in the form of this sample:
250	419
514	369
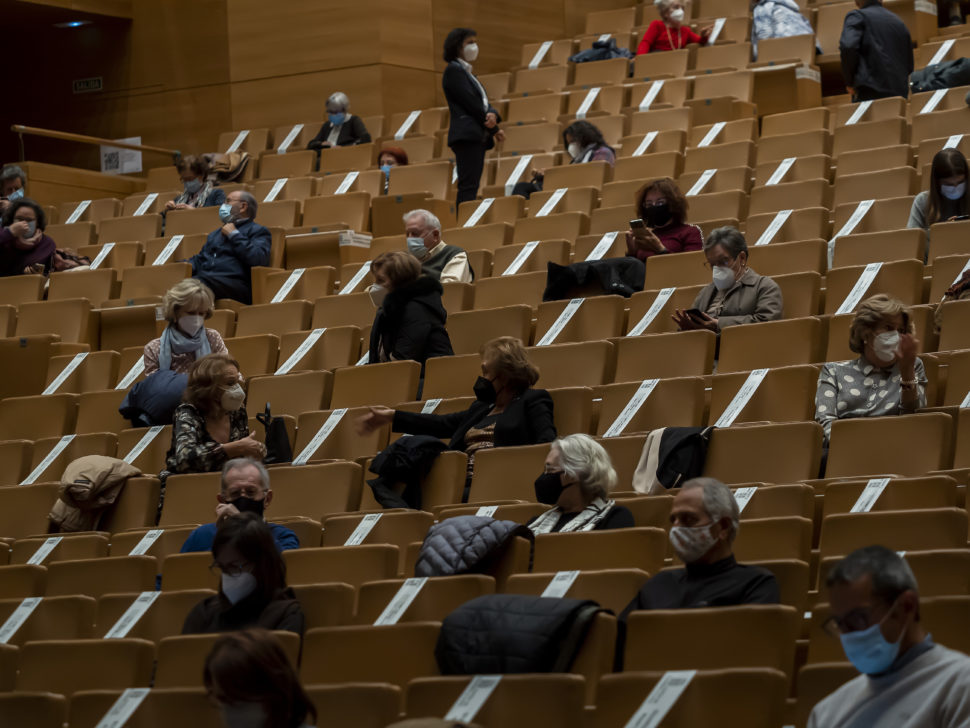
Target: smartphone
695	313
961	217
639	228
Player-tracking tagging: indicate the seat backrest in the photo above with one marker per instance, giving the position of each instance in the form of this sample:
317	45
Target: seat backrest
787	453
361	705
353	565
436	600
469	330
376	384
677	402
164	618
786	394
918	530
908	445
106	575
586	364
771	344
625	548
68	666
54	618
613	589
506	472
291	394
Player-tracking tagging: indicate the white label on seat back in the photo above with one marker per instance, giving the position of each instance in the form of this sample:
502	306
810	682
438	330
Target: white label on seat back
869	495
854	219
540	54
942	51
78	211
560	323
168	250
631	408
486	511
17	618
124	707
781	170
716	31
353	282
650	96
275	189
712	134
560	584
658	303
365	359
933	101
400	602
146	542
406	126
288	285
587	102
346	182
102	254
146	203
661	699
520	259
301	351
365	526
742	398
781	217
645	143
430	406
965	404
605	37
603	246
58	448
517	172
966	267
237	142
130	618
859	111
65	373
290	137
479	212
322	434
953	141
137	368
742	496
472	698
44	550
860	288
553	200
701	182
144	442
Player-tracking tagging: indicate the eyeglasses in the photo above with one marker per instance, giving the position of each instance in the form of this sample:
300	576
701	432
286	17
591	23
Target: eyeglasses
723	262
230	569
856	620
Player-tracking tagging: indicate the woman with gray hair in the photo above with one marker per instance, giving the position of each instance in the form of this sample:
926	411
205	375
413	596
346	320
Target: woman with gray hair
669	33
576	482
341	129
736	295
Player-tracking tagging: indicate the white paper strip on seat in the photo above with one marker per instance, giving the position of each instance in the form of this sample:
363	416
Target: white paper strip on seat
742	398
780	171
322	434
859	111
520	259
560	323
661	699
651	95
865	280
560	584
289	139
632	407
400	602
365	526
58	448
540	54
406	126
712	134
658	303
517	173
588	101
472	698
168	250
237	142
65	373
781	217
291	280
869	495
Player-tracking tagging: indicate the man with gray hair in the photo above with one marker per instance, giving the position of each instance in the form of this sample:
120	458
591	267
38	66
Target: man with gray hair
12	184
245	488
229	253
907	680
439	260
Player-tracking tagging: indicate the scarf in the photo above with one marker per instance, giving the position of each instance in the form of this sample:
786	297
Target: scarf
585	520
481	89
176	342
198	199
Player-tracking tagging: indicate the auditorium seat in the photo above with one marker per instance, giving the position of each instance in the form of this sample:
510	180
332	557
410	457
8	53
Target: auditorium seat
780	453
168	706
677	402
343	443
72	547
54	618
907	445
106	575
181	658
69	666
771	344
786	394
164	617
611	588
41	710
352	565
624	548
357	705
437	598
506	473
919	530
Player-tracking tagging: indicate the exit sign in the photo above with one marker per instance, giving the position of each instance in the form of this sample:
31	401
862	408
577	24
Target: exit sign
87	85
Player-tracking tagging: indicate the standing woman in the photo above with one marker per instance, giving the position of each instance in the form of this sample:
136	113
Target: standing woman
474	123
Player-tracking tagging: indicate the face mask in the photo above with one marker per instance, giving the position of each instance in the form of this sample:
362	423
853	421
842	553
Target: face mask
485	390
190	325
953	192
238	586
16	194
249	505
31	229
885	344
692	543
377	294
233	398
243	715
549	487
337	119
225	212
677	15
869	651
723	277
193	186
417	248
471	52
386	169
658	215
574	150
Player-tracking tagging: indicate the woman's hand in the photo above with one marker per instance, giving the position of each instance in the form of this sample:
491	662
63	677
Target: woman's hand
247	447
18	229
906	351
706	32
491	120
170	205
377	417
686	322
500	135
643	240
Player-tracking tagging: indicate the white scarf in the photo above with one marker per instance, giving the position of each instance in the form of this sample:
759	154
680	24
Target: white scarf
586	520
481	89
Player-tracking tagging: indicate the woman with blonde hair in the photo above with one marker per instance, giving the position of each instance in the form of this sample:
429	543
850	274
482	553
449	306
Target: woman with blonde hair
186	306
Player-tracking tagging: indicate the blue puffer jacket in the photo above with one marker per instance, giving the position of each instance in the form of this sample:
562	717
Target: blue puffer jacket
224	263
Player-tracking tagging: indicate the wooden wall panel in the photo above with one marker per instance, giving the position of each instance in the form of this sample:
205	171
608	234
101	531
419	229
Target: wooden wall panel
50	183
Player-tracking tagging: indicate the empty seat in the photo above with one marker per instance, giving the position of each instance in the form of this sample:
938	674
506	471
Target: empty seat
625	548
907	445
352	565
107	575
438	597
68	666
786	453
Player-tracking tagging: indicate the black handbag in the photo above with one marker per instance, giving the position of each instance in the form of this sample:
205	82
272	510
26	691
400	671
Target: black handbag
277	442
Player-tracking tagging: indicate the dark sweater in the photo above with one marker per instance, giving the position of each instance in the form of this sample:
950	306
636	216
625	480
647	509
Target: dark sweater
410	324
216	614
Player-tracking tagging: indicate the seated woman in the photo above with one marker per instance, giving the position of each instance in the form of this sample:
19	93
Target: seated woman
777	19
410	320
669	33
886	379
252	582
508	411
341	129
187	305
947	198
211	425
577	481
391	157
583	143
24	248
737	294
663	209
197	190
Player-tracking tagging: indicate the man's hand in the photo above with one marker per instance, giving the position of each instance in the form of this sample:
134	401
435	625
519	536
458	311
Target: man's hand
228	229
224	511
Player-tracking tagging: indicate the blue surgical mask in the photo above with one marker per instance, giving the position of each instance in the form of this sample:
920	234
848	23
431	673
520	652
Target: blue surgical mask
225	211
193	186
417	248
337	119
16	194
386	169
31	229
953	192
869	651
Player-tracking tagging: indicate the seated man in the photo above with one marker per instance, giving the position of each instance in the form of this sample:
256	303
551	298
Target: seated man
245	488
230	252
908	680
12	184
439	260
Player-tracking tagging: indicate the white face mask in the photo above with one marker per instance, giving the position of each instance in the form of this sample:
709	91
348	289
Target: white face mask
377	294
190	325
238	586
677	15
233	398
574	149
692	543
885	344
723	277
471	52
243	715
953	192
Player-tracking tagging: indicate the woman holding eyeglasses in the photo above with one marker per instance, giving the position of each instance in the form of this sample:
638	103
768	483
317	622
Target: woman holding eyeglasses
736	295
252	582
662	226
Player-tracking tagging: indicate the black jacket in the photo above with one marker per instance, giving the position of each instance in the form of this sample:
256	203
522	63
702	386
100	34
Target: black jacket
876	50
467	111
216	614
410	324
352	131
526	421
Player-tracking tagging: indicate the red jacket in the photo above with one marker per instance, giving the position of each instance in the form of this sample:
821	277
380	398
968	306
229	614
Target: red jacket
659	37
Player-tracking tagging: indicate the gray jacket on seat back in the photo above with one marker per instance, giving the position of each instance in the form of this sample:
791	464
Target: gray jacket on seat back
466	545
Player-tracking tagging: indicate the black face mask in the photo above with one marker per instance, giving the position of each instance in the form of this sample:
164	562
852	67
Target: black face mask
657	215
485	390
249	505
548	488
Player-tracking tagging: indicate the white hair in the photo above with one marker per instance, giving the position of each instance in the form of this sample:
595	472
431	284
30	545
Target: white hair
586	460
240	463
719	501
338	100
430	219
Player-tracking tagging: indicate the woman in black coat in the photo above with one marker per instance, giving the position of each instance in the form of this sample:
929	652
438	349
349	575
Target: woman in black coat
341	129
474	123
410	319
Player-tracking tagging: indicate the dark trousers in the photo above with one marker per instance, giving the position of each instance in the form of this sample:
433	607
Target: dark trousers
863	93
470	161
